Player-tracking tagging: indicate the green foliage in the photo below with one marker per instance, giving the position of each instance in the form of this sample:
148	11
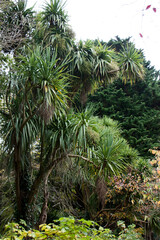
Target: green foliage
131	64
106	69
128	233
135	107
144	167
54	15
133	198
7	200
98	152
109	155
83	123
69	228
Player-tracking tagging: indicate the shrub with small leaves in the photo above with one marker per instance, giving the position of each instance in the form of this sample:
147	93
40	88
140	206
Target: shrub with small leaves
69	228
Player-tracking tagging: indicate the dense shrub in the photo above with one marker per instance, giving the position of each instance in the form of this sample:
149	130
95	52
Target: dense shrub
69	228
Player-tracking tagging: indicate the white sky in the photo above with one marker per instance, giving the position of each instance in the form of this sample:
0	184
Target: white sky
105	19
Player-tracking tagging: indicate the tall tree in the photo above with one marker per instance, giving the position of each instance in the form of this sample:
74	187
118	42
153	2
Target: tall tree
58	33
34	91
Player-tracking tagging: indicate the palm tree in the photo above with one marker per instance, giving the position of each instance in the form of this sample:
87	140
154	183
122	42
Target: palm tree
110	155
130	62
82	68
62	42
105	66
83	124
58	33
95	65
35	90
54	15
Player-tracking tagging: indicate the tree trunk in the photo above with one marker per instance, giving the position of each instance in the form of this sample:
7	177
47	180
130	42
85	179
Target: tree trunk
22	182
17	165
43	215
43	173
25	192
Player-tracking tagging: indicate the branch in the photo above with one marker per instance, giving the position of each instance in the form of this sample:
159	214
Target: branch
30	111
7	103
108	209
86	159
113	71
30	116
42	174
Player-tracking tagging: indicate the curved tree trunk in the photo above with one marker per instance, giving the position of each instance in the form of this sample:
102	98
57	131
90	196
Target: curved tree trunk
43	215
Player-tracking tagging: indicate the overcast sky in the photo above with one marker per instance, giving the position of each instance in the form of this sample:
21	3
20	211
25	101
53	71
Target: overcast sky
104	19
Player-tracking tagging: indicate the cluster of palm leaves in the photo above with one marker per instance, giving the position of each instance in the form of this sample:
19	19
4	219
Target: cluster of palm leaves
40	131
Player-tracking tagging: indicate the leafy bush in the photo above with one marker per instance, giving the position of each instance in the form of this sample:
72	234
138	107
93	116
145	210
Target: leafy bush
69	228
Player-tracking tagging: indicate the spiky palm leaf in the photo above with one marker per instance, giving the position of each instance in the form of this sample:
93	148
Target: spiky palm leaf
55	15
41	67
82	68
59	134
105	68
131	64
61	42
83	121
57	31
109	155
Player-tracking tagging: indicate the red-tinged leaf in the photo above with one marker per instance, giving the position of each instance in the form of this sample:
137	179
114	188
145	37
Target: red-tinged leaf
148	7
154	9
141	35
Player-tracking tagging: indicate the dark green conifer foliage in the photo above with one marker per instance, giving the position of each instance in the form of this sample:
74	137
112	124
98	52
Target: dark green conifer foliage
136	107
